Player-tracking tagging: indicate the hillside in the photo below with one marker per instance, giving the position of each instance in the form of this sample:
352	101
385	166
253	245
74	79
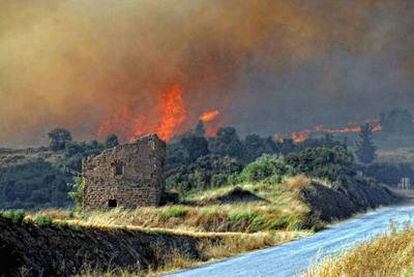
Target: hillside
216	224
42	247
33	178
223	208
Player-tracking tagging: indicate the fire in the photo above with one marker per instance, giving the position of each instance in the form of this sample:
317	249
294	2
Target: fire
212	122
130	124
300	137
353	127
173	112
209	116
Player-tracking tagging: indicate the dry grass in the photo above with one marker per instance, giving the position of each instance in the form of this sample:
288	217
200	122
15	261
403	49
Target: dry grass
283	211
213	246
391	254
221	230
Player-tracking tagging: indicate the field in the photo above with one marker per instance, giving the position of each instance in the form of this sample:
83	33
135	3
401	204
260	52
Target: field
248	217
391	254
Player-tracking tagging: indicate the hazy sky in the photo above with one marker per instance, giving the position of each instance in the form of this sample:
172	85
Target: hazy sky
269	66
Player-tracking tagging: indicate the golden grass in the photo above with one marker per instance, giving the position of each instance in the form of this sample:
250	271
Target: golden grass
391	254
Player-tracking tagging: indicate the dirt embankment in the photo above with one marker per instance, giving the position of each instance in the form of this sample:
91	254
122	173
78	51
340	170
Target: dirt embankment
343	201
62	251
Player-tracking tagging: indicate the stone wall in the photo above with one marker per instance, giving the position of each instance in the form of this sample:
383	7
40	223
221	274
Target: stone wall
129	175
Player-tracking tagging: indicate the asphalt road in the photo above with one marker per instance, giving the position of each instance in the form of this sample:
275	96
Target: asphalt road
292	258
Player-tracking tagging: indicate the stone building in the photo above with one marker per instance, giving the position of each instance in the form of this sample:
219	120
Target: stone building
129	175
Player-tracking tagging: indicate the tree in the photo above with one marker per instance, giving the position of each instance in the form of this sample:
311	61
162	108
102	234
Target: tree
365	147
200	130
227	143
111	141
257	146
59	137
196	146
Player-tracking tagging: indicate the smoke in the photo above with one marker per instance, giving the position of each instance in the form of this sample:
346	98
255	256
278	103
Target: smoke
266	66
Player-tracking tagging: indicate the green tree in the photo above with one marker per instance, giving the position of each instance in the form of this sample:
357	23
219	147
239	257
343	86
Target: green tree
111	141
365	147
196	146
257	146
227	143
59	137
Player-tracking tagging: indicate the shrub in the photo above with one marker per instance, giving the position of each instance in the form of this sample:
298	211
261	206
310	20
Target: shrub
331	163
173	212
43	220
77	192
265	167
16	216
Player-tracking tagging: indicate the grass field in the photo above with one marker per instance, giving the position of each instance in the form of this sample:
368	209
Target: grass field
278	207
274	216
389	255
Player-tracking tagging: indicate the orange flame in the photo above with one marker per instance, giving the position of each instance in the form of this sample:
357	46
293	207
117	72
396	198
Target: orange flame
353	127
209	116
129	124
173	112
300	137
212	122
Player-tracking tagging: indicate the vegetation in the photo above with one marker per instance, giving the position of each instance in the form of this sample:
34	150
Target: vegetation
59	137
365	147
28	182
387	255
43	220
278	207
40	178
332	163
16	216
77	193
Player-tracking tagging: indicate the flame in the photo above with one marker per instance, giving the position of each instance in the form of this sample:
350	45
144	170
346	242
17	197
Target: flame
130	124
209	116
173	112
300	137
353	127
212	122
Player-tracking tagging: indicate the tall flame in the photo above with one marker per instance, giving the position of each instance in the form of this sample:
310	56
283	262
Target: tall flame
173	112
129	124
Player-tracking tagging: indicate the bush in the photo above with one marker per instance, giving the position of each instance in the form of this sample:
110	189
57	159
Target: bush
43	220
77	193
173	212
265	167
205	172
16	216
331	163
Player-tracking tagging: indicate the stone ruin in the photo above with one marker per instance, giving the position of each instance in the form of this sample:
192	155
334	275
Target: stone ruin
129	175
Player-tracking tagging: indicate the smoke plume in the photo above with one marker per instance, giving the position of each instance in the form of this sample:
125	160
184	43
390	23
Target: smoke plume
102	66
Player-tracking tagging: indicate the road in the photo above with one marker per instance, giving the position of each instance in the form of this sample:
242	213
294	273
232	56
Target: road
292	258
